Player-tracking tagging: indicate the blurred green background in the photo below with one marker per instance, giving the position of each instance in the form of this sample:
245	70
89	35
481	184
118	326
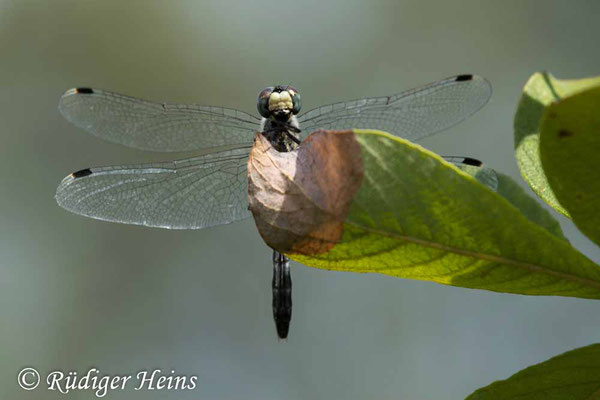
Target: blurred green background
79	293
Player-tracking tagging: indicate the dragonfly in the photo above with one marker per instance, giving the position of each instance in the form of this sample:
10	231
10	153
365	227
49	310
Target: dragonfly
211	188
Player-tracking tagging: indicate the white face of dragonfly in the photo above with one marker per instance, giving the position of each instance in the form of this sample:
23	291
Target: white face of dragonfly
279	102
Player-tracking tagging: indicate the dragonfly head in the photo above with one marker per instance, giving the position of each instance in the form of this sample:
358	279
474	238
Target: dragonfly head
279	102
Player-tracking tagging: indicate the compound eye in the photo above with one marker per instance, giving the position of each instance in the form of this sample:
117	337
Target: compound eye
262	103
296	99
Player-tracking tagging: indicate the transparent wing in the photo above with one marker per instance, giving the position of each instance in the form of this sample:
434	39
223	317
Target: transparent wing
476	169
187	194
413	114
156	127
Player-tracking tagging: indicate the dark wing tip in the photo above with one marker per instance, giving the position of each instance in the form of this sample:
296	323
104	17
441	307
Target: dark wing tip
66	98
472	161
482	85
80	90
465	77
81	173
83	90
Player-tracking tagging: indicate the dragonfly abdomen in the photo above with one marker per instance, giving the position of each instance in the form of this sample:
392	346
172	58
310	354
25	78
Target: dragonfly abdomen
282	293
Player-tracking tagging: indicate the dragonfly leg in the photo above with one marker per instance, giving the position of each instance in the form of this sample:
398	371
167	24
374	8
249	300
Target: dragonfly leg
282	293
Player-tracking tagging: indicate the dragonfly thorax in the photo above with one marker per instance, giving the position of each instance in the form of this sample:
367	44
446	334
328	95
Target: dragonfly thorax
283	135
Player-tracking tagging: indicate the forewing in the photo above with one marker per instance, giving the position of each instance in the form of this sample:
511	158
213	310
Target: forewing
413	114
153	126
187	194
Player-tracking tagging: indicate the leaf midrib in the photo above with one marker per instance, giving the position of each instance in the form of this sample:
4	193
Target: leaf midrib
482	256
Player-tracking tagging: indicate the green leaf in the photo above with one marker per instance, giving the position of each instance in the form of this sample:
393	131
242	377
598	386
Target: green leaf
539	92
528	206
574	375
569	150
511	191
416	216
